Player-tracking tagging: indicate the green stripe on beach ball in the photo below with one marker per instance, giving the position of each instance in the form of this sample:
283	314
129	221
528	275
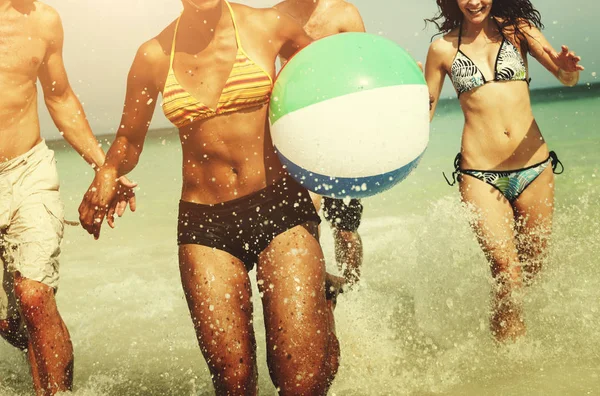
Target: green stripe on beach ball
339	65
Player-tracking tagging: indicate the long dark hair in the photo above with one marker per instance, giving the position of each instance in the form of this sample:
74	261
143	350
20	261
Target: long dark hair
508	13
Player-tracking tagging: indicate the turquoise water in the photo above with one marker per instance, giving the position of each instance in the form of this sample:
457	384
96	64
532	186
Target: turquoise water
416	326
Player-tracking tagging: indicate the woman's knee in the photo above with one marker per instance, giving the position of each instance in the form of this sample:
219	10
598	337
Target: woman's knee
505	270
502	256
299	380
309	385
235	378
533	242
305	370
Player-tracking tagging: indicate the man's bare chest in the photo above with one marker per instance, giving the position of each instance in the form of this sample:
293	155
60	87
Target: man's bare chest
22	50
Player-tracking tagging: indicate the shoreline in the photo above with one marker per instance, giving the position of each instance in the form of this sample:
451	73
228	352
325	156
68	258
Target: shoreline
446	105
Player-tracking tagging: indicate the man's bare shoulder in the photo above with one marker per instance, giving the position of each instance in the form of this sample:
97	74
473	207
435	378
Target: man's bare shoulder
251	14
47	18
342	7
43	10
346	6
284	5
347	15
265	20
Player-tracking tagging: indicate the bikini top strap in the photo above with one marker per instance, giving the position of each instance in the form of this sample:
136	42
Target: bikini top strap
239	41
237	34
173	44
459	34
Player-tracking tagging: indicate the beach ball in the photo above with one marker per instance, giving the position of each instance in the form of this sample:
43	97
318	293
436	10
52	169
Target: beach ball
349	115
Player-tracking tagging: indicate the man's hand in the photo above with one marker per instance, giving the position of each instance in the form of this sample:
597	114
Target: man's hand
102	196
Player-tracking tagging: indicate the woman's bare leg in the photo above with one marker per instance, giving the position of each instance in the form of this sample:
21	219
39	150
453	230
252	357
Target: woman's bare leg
218	292
493	223
302	348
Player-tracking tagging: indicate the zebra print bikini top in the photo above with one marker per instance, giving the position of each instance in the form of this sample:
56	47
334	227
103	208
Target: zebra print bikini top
465	74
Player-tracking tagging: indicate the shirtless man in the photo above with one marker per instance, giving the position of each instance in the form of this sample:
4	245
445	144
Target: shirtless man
322	18
31	212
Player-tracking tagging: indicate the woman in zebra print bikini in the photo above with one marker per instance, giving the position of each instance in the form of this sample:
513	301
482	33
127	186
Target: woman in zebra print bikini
505	170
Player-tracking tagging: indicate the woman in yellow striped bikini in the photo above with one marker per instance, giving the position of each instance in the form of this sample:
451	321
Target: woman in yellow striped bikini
239	208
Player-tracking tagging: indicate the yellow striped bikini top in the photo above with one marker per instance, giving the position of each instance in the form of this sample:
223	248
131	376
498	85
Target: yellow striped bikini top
248	85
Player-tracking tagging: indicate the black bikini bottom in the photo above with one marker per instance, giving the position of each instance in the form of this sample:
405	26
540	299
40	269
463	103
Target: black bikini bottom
244	227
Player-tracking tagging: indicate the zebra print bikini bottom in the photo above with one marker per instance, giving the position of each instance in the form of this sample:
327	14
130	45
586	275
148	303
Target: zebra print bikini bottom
510	183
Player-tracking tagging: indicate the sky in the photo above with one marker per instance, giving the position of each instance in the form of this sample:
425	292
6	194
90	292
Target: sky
102	37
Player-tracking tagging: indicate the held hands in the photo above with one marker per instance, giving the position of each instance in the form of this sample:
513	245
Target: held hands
106	196
566	60
125	196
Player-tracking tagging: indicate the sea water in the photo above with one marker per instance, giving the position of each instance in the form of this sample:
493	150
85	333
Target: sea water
418	323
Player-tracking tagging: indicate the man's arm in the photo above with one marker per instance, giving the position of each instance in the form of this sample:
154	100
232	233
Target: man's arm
292	36
67	113
64	107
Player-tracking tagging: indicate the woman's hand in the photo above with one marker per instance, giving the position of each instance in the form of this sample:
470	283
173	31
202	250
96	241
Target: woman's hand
566	60
102	196
564	64
125	196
